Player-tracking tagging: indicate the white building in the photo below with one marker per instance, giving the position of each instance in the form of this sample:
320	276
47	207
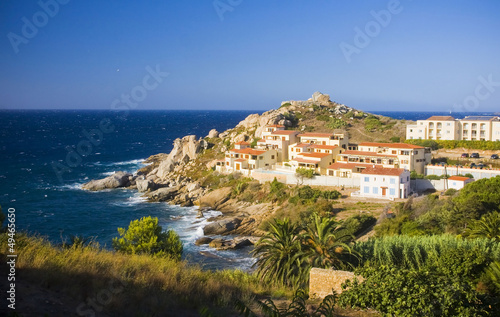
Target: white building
484	128
458	182
389	183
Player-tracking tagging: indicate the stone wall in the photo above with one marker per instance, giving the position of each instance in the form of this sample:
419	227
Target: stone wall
322	281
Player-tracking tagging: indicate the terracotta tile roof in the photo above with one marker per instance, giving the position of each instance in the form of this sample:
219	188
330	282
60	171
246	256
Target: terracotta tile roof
339	165
317	155
367	153
284	132
242	143
458	178
392	145
324	147
301	160
315	135
261	140
302	145
240	160
383	171
441	118
248	151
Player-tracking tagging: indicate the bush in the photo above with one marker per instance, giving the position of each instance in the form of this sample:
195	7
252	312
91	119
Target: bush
450	192
335	123
146	236
372	123
395	139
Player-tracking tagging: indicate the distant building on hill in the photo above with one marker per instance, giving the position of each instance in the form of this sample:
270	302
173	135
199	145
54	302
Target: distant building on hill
472	128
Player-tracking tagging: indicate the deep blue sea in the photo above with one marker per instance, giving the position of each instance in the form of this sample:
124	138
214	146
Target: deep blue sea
31	142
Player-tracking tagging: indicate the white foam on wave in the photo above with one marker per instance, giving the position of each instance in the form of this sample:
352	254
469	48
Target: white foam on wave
131	201
131	162
74	186
108	173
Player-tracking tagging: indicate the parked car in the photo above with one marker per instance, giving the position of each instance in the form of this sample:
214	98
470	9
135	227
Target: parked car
465	155
480	165
474	155
494	156
472	165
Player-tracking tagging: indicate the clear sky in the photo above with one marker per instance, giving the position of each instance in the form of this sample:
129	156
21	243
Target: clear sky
250	54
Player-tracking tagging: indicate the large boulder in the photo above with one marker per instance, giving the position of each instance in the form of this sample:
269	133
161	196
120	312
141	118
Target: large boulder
162	194
184	150
118	179
224	226
215	198
213	133
144	185
203	240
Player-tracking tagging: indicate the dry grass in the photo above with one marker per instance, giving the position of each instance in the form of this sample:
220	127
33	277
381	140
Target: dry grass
137	283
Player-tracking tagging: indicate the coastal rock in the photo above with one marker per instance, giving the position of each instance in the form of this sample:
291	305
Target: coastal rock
162	194
213	133
118	179
222	227
215	198
184	150
237	243
203	240
144	185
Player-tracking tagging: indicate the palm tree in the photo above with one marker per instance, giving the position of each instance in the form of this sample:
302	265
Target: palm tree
487	227
279	254
325	246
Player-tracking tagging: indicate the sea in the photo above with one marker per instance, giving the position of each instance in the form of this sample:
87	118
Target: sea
46	155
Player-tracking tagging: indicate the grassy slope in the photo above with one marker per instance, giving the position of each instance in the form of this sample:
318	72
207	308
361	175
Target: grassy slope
135	283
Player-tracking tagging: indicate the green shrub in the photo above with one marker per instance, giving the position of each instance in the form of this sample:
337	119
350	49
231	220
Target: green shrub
335	123
450	192
146	236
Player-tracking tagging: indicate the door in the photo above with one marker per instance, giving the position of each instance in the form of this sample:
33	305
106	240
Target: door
384	191
238	166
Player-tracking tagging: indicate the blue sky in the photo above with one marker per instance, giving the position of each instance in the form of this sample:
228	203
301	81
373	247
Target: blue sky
251	54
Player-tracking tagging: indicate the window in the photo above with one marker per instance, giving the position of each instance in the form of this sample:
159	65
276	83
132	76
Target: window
411	130
392	192
366	190
416	152
367	179
407	178
375	190
392	181
272	157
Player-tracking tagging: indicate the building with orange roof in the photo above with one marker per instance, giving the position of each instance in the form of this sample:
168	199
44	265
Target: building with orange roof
339	139
313	160
246	159
386	183
409	156
278	140
458	182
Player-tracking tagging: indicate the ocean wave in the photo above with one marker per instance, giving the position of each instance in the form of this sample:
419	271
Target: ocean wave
131	162
74	186
131	201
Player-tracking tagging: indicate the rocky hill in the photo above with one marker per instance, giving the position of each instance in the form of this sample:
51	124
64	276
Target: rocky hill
186	176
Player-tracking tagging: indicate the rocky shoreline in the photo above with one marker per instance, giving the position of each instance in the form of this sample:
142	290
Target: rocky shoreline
168	177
